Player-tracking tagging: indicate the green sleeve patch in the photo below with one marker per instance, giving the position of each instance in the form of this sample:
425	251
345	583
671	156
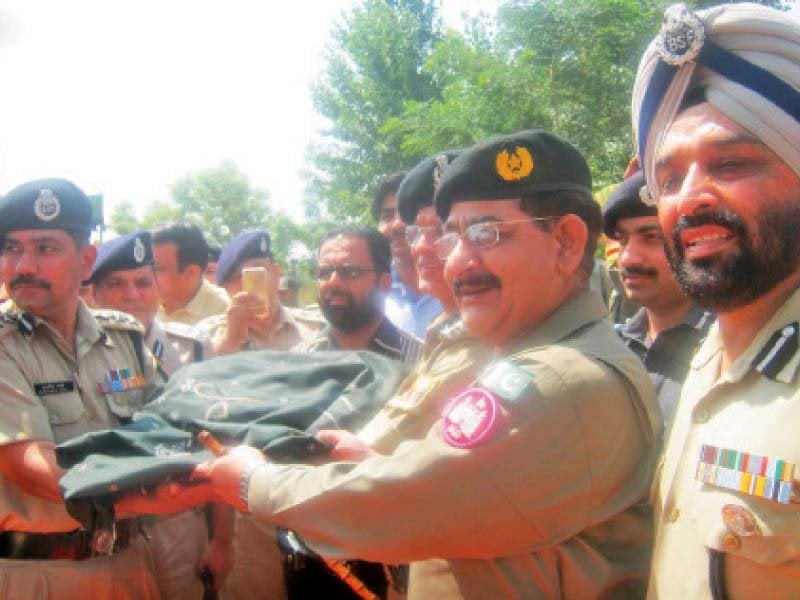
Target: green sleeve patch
505	379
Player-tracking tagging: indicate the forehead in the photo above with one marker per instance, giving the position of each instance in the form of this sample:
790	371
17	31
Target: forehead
500	210
261	261
427	216
631	225
349	249
165	252
389	202
701	128
23	236
129	274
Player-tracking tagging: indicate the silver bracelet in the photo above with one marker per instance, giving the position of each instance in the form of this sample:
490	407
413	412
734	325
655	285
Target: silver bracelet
244	480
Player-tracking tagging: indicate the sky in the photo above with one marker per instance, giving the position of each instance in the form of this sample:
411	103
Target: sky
125	98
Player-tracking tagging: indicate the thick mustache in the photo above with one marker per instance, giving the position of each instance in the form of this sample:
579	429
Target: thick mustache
28	280
644	271
723	218
483	280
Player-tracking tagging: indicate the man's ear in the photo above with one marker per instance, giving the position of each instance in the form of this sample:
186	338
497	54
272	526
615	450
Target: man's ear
88	256
193	271
385	281
571	235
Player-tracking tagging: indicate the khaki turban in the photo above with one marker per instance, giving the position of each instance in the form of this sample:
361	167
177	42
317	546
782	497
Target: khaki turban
745	56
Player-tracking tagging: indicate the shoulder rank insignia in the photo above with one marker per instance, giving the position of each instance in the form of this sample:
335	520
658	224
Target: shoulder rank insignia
470	418
113	319
760	476
778	351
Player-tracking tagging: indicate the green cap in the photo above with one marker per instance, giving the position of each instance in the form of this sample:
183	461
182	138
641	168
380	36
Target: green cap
512	166
419	185
46	204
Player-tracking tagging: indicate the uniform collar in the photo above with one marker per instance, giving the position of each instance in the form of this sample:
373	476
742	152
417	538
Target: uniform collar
584	308
636	328
773	352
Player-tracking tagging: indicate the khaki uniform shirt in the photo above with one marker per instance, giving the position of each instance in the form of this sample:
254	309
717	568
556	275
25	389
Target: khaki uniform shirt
209	300
452	359
751	412
293	327
549	505
48	393
174	345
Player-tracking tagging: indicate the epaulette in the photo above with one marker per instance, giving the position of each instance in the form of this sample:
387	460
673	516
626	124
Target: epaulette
114	319
9	322
12	319
182	330
779	351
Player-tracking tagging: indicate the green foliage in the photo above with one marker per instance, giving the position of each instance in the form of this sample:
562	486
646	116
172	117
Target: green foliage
123	220
374	66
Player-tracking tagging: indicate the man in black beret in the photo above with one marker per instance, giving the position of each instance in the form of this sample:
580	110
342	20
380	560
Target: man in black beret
668	328
533	481
64	370
405	306
255	319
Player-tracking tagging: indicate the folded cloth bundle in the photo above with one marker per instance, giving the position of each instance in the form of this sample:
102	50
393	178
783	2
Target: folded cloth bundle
274	401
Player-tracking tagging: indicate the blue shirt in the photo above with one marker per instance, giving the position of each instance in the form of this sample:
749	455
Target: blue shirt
408	310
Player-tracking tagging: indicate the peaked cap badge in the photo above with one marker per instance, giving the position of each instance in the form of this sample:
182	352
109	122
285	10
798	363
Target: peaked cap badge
682	35
516	165
138	250
263	245
46	207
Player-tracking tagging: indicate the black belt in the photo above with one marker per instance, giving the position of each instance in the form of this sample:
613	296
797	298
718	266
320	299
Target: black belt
72	545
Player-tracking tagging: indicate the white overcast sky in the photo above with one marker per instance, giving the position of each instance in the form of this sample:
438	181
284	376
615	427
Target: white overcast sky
125	97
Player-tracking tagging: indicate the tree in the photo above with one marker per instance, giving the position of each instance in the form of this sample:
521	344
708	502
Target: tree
219	199
123	220
374	66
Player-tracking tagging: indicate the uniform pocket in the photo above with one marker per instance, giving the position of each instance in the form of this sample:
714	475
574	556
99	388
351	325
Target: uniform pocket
63	409
123	404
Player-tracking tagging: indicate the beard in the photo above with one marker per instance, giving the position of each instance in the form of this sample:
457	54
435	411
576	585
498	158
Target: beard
766	255
352	315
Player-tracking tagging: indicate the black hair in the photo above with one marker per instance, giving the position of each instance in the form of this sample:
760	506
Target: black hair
379	249
558	204
192	246
385	188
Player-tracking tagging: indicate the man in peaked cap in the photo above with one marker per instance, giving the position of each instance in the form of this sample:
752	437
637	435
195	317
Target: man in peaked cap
666	331
716	113
64	370
123	279
252	322
533	481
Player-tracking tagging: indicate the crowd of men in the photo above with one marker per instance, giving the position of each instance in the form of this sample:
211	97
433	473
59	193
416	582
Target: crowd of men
550	441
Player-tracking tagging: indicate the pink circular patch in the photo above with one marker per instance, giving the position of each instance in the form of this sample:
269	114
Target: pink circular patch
469	418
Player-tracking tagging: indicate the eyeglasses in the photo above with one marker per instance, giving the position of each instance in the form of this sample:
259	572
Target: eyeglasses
481	235
349	272
415	233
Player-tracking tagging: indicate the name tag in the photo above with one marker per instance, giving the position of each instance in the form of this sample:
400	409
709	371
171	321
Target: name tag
52	388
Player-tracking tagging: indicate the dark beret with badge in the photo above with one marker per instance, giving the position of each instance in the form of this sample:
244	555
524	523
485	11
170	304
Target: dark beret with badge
251	244
629	199
46	204
419	185
512	166
125	252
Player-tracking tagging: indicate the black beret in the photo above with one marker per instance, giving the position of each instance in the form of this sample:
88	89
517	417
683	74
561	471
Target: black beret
511	166
626	202
125	252
417	188
46	204
252	244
